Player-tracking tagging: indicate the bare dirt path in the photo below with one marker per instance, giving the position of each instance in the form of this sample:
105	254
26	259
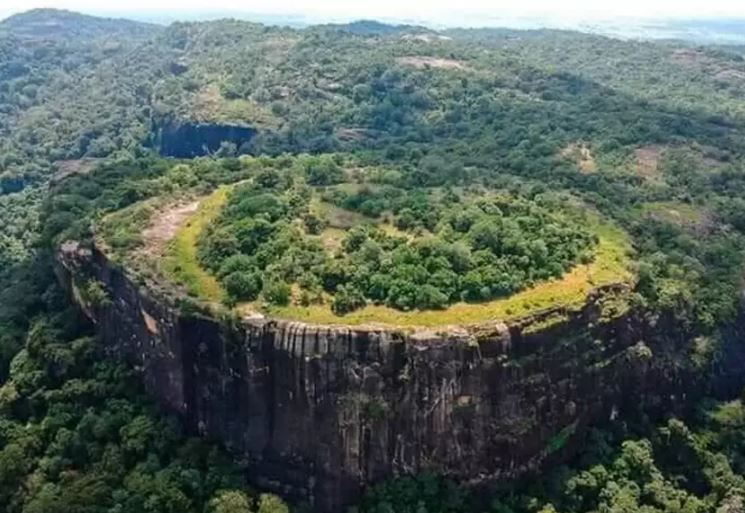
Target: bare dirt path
165	224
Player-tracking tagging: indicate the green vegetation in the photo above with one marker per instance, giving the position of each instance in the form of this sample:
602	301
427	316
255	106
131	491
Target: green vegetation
610	266
325	218
77	432
121	231
420	112
691	467
182	261
597	148
446	247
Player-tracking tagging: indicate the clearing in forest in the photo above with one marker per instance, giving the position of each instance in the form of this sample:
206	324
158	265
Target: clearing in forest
580	154
422	62
181	261
647	161
166	223
684	215
209	105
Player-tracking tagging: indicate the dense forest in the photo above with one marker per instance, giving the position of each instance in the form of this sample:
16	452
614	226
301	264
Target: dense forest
648	135
436	248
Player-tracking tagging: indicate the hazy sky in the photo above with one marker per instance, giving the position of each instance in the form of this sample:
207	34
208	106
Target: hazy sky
410	9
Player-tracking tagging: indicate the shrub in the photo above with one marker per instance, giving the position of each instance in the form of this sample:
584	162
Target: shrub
243	285
276	292
346	299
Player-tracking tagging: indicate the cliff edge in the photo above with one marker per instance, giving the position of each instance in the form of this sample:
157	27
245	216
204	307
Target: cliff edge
318	412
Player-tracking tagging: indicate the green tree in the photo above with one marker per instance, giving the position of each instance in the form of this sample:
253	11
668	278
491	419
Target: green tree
346	299
243	286
276	292
230	501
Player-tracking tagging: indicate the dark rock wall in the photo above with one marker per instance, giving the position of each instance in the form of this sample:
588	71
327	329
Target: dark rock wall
320	411
188	140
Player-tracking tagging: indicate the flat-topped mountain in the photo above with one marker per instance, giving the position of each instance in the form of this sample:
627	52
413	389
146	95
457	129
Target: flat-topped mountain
328	240
349	254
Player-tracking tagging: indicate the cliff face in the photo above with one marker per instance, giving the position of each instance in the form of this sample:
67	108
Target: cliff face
318	412
189	140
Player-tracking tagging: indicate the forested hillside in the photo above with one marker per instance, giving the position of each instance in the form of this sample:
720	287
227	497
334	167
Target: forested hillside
403	128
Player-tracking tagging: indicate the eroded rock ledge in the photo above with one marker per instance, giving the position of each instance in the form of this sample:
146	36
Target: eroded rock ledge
185	139
320	411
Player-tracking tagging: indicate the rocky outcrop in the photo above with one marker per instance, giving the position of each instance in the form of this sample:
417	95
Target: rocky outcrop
320	411
185	139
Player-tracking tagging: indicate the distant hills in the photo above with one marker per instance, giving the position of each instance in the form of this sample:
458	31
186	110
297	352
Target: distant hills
377	28
54	23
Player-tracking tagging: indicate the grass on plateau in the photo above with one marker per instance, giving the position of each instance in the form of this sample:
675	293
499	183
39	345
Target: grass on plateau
181	262
611	264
